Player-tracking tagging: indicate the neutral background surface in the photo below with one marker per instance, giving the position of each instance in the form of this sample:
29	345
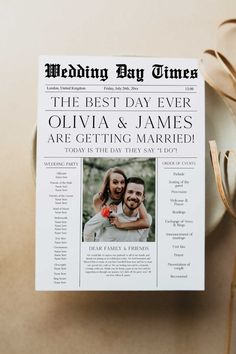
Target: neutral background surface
122	322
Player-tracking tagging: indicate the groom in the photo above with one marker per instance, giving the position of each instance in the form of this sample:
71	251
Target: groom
102	228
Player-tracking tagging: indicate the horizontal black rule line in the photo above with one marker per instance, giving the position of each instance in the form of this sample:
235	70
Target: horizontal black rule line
179	168
115	91
61	167
116	110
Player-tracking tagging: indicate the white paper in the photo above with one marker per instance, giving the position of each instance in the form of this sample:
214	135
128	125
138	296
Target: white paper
146	116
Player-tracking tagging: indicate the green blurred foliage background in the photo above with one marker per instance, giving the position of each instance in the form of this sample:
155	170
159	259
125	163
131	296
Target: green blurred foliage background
94	170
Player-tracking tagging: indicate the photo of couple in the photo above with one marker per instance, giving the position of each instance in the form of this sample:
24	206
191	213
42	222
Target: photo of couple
119	211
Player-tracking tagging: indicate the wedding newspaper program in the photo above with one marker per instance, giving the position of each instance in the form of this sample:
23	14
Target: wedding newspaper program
120	174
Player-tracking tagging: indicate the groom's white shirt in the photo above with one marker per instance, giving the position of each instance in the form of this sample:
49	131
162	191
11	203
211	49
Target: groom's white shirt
99	228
